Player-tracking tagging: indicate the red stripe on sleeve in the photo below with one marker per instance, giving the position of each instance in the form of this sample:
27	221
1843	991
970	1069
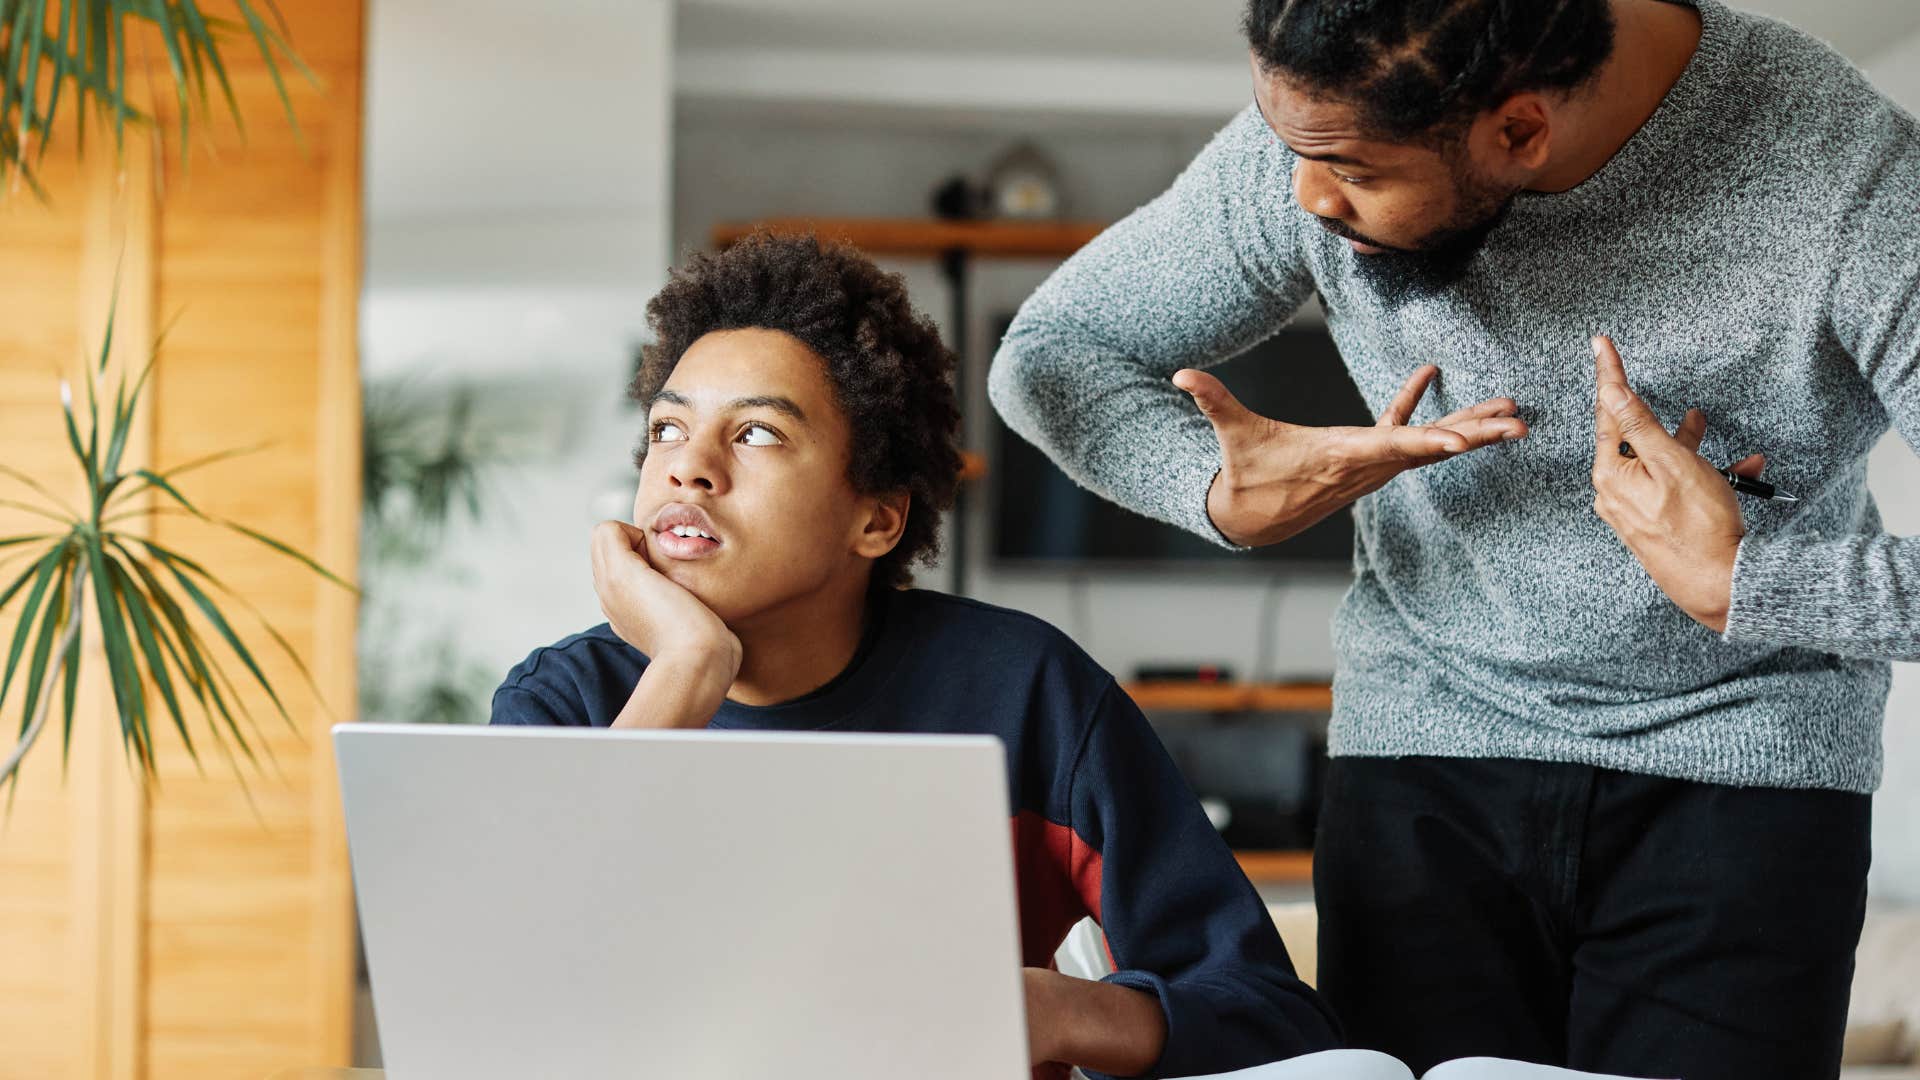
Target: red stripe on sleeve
1058	875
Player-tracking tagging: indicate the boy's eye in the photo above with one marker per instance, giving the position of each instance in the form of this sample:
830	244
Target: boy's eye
666	431
759	435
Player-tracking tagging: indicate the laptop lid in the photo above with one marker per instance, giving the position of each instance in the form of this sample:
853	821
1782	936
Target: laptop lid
595	903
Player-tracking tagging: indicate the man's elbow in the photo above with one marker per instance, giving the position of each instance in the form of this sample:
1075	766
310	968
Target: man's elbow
1022	380
1009	379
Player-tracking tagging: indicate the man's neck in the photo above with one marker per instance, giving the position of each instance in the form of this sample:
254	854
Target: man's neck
1653	42
800	646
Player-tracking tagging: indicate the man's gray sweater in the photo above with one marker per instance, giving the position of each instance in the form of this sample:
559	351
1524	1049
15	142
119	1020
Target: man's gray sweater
1754	250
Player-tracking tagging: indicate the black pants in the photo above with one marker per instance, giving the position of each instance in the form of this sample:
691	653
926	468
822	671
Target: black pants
1598	920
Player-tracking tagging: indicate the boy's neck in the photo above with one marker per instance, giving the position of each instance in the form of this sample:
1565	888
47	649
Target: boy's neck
795	649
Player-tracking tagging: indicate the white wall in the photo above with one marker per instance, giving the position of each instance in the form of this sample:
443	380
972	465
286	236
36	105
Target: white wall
1893	473
518	203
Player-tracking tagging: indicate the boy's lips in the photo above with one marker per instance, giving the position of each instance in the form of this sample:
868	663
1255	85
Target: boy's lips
684	531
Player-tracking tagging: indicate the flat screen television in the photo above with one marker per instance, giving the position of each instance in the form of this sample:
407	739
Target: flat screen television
1042	520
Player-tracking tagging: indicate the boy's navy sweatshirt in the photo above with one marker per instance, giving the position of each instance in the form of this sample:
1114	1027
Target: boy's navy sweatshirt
1103	825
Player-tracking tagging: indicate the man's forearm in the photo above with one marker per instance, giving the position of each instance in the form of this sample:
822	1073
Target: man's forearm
1204	271
1094	1025
676	691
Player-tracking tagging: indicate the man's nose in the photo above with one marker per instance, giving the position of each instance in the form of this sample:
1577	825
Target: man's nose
1318	192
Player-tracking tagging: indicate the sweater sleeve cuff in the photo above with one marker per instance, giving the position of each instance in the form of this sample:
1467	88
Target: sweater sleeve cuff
1775	598
1170	1056
1201	1039
1191	506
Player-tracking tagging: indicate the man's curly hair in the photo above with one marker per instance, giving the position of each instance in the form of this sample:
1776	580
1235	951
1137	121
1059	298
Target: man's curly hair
891	375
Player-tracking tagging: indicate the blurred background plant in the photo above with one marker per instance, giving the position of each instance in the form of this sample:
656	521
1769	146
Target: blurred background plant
426	461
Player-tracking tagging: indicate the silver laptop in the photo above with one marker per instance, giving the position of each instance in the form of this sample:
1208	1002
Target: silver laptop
542	902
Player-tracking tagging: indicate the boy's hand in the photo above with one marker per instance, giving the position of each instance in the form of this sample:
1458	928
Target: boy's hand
692	658
1094	1025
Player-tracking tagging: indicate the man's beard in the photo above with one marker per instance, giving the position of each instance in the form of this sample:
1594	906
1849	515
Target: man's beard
1444	257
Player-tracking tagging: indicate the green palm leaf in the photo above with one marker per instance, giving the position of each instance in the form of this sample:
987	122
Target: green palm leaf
162	15
38	511
287	551
270	42
7	595
42	574
50	627
70	668
36	14
158	481
17	35
39	489
90	52
49	630
178	565
73	430
279	639
200	40
155	480
62	70
138	616
121	666
192	647
14	541
197	463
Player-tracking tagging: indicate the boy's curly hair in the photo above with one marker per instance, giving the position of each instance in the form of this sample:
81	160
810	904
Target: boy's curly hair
891	375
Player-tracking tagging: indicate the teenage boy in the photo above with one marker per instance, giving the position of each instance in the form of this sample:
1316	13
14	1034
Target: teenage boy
800	447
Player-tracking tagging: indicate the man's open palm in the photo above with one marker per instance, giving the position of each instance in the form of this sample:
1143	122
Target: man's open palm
1277	479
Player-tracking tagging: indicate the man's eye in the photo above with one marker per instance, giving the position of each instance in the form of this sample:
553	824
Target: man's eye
757	435
666	431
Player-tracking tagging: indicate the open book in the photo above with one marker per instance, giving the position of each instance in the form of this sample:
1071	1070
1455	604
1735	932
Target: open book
1369	1065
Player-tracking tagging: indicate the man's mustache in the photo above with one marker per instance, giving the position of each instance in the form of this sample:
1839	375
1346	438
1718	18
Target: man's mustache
1339	228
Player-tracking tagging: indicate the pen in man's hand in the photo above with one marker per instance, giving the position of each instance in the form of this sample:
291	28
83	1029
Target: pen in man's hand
1759	489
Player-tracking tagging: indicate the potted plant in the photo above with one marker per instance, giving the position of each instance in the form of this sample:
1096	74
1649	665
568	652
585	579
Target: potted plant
161	614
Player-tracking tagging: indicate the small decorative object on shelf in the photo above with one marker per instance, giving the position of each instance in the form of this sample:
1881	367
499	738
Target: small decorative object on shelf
959	199
1023	184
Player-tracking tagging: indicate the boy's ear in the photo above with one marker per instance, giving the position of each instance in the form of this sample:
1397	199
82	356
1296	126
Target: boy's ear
885	520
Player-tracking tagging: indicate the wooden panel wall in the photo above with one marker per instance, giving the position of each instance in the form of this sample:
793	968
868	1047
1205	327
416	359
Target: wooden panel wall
200	927
40	928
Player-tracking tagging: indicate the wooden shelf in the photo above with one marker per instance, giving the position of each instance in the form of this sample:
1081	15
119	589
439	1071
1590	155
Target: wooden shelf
1277	867
929	238
1231	697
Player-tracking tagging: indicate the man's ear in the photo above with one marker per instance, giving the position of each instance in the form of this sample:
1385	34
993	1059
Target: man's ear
1517	134
884	520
